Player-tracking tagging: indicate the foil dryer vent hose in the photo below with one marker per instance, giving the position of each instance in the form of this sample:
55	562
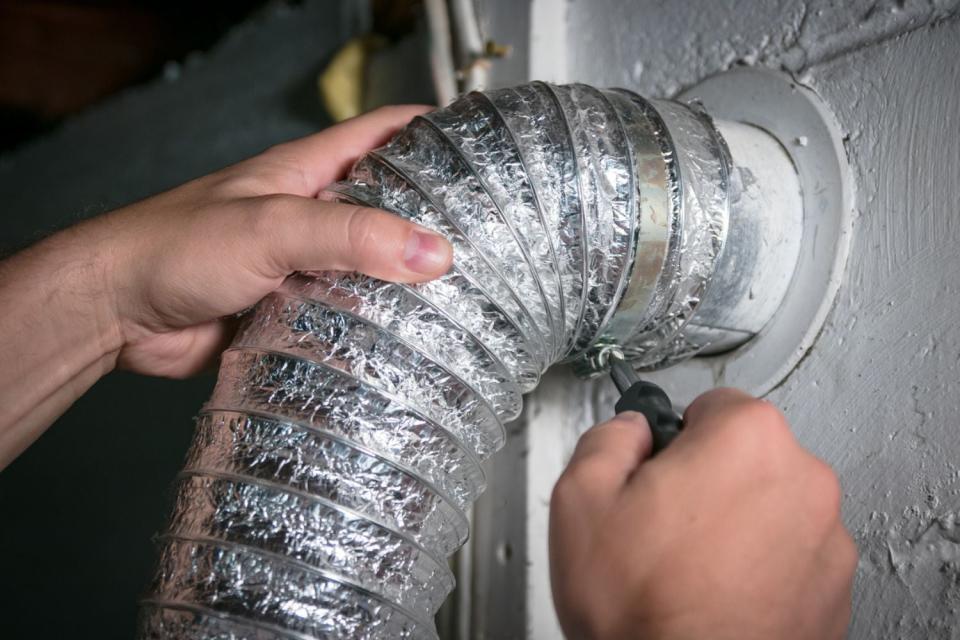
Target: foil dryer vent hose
332	467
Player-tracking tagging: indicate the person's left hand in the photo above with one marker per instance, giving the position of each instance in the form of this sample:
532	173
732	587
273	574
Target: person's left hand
155	287
179	263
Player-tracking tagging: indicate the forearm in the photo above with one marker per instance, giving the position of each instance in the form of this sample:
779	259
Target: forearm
58	332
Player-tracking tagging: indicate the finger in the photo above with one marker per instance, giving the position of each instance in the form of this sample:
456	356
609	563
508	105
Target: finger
326	156
302	234
608	454
714	403
732	422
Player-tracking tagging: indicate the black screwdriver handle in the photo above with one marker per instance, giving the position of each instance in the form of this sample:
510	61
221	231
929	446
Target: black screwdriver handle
653	402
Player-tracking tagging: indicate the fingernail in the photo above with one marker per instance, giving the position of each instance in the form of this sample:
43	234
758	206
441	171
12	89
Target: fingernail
426	253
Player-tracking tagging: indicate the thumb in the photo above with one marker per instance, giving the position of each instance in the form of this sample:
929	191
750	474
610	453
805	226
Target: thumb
607	455
304	234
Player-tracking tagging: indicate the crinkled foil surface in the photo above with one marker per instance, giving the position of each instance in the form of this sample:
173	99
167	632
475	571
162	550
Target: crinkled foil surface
333	466
702	164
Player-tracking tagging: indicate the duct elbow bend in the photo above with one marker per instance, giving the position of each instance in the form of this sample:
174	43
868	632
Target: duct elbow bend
333	465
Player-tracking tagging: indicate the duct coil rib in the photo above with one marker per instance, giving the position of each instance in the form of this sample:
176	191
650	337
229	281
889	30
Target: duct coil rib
332	467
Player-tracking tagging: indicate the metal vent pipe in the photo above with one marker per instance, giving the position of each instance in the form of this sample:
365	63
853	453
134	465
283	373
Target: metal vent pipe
333	465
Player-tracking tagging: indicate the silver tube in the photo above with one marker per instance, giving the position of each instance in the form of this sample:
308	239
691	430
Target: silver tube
763	240
333	465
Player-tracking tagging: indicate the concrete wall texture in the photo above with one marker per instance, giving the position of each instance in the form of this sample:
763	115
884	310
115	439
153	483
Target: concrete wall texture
878	396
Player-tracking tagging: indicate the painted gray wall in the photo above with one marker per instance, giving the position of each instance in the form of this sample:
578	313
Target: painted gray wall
878	396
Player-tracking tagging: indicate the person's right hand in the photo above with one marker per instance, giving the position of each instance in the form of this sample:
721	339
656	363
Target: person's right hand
731	533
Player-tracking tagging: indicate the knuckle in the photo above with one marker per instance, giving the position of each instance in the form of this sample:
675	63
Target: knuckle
276	170
561	490
757	435
585	472
241	180
762	424
849	554
826	490
702	401
762	412
565	490
361	228
267	223
720	396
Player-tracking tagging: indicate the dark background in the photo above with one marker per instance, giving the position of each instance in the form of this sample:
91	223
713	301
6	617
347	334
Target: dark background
101	104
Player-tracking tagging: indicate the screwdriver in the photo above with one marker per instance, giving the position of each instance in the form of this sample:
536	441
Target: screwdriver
646	398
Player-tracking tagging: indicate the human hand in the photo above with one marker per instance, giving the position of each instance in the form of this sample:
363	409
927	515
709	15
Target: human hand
180	262
153	287
732	532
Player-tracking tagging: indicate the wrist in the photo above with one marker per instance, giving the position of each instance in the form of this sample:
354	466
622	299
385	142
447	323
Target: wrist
82	286
57	299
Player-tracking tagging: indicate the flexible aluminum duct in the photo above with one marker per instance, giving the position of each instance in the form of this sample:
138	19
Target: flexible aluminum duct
334	463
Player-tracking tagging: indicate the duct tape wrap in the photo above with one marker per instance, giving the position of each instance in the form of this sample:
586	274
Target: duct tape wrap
333	466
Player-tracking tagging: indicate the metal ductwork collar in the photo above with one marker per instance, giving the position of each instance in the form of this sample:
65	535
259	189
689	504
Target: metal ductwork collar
333	465
718	234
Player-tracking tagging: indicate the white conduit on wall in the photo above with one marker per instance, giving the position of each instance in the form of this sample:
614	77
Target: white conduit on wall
332	468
